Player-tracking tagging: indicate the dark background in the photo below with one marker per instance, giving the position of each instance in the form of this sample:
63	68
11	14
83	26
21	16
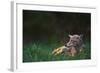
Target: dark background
46	25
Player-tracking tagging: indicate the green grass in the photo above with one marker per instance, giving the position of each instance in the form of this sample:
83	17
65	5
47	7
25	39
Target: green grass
36	52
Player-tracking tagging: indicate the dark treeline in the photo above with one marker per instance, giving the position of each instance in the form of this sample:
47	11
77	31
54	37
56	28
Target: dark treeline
45	25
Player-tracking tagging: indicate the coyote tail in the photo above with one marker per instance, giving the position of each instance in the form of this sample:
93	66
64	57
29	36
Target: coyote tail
58	50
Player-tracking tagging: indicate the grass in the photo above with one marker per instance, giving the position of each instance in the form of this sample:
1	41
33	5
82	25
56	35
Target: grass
36	52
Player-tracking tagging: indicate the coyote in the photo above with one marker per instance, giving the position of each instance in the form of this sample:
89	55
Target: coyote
71	48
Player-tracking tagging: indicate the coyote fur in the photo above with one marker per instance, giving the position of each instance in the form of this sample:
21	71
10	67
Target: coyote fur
74	46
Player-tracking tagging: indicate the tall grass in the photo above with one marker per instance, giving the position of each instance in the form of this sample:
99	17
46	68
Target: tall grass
42	51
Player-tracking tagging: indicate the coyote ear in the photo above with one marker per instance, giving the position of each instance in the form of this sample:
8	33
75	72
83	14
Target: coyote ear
70	35
81	35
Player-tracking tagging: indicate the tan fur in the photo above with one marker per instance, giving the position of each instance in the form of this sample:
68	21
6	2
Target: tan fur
73	51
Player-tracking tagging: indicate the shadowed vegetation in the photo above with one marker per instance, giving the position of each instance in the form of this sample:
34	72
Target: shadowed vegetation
36	52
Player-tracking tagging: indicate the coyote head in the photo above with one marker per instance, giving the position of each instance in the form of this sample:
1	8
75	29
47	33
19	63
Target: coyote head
75	41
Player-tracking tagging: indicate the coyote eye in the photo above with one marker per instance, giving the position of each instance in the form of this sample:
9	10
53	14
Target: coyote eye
71	40
77	37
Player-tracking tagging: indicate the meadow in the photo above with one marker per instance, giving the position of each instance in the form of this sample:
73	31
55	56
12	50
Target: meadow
42	51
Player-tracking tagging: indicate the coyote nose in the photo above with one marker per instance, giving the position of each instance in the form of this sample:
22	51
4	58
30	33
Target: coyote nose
66	45
69	44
